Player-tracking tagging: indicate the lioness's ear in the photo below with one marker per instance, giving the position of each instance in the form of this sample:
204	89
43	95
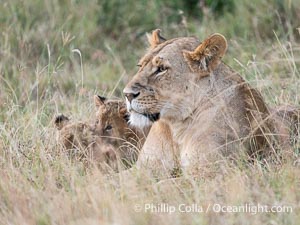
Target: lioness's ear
99	100
207	56
155	38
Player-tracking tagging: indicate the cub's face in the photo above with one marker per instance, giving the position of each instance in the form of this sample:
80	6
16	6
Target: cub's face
164	85
111	119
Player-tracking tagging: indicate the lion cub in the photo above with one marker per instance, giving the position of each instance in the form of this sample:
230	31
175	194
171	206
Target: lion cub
81	142
108	139
112	125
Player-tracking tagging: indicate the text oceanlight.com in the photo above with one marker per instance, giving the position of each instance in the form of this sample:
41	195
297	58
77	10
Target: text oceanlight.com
216	208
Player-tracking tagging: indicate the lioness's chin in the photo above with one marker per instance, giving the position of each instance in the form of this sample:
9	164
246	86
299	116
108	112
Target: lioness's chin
141	120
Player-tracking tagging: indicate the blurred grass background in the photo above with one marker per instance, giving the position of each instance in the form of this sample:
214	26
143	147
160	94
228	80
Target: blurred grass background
38	39
55	55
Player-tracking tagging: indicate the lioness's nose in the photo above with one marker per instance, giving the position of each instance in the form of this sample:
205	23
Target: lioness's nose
131	96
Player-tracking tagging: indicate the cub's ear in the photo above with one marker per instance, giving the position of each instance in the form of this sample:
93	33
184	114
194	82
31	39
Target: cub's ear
155	38
123	112
122	108
207	56
99	100
60	121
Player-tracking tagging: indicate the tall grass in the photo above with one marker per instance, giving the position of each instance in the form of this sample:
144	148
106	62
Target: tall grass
41	75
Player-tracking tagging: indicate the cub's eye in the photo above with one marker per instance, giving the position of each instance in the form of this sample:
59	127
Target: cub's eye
97	121
108	128
161	70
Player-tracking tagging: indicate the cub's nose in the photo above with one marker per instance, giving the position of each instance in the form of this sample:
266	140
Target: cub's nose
131	96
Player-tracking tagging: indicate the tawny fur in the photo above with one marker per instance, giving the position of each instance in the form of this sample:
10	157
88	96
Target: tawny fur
80	142
112	124
212	113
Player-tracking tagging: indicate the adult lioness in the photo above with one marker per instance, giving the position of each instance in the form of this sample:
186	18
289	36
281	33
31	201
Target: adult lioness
212	112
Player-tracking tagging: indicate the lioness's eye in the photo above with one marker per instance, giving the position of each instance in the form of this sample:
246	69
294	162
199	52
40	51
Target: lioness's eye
160	69
97	121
